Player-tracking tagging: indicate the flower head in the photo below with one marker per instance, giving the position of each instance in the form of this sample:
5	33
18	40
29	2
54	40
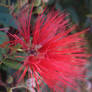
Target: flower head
53	54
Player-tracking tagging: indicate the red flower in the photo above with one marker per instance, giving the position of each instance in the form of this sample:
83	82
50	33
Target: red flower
53	55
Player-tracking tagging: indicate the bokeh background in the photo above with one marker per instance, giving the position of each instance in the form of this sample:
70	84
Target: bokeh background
80	13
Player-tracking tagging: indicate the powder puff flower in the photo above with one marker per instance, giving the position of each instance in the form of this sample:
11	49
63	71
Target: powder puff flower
53	55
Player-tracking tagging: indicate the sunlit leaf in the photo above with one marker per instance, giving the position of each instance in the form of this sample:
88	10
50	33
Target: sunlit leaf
37	2
12	63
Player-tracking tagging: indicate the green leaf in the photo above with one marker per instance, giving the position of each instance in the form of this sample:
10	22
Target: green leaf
73	15
50	2
12	63
58	6
4	9
39	10
7	20
3	38
37	3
